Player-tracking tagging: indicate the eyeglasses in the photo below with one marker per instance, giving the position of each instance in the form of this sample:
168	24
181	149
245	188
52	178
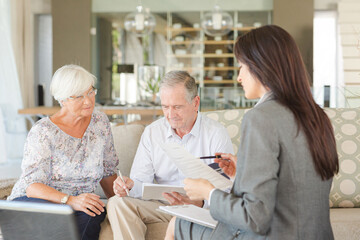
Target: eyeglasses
81	98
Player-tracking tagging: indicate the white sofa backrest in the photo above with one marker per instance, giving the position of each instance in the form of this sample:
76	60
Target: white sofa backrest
231	119
126	141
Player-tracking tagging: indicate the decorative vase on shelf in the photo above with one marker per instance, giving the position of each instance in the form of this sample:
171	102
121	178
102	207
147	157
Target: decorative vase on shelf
149	78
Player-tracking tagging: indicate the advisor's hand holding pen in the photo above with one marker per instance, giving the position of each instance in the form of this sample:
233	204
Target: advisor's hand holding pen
121	187
228	163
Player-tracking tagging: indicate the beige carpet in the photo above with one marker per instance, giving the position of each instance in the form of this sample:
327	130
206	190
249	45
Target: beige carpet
6	186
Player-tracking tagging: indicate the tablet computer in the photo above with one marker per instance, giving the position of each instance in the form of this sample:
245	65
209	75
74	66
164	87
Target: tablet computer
28	220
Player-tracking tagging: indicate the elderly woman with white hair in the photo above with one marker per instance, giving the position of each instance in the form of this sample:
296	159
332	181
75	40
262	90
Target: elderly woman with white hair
68	154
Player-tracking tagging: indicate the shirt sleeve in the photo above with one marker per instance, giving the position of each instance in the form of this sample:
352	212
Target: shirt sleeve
142	170
221	141
36	164
111	159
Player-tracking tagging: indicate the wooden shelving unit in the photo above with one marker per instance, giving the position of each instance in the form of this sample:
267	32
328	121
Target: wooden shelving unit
215	55
205	55
184	29
198	52
206	42
218	82
227	68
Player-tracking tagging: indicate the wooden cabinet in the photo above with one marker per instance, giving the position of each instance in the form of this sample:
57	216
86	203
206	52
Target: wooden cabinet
209	59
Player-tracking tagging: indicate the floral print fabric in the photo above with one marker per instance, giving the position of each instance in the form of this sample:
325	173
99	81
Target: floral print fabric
68	164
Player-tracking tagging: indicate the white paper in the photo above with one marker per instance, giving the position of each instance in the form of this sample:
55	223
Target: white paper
154	191
193	167
191	213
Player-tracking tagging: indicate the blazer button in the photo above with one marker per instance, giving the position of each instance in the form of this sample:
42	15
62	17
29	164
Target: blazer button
238	232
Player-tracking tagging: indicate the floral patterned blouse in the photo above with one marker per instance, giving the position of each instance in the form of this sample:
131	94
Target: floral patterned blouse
68	164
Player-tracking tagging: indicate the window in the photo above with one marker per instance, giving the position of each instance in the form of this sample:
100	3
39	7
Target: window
325	59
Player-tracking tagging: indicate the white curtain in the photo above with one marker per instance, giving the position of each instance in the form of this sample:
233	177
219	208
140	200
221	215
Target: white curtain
134	50
22	34
10	96
3	156
160	50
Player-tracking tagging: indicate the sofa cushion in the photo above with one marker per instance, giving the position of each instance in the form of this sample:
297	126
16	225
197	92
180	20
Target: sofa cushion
345	223
231	119
345	190
126	140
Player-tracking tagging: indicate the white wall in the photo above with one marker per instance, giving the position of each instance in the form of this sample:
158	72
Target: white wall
325	55
43	56
349	29
183	5
326	4
197	5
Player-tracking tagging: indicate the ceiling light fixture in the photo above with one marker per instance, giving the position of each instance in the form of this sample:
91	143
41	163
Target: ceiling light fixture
140	22
217	22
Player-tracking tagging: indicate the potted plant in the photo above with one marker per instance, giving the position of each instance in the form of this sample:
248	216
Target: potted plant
149	82
152	87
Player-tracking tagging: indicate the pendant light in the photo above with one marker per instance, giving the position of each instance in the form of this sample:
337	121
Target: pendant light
141	22
217	22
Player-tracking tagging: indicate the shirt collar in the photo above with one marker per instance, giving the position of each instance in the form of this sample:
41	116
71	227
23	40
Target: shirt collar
267	96
195	131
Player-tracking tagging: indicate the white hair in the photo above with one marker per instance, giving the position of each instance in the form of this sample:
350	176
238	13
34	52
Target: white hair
70	80
174	78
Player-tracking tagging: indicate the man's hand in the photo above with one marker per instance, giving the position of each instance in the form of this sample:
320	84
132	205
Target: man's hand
86	202
119	186
198	189
228	163
175	198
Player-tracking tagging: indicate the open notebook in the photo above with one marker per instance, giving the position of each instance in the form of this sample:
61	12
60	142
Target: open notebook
191	213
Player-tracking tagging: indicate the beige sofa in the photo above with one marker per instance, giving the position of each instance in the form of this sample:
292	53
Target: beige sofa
345	193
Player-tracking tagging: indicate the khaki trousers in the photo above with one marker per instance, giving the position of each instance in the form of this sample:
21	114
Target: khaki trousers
128	216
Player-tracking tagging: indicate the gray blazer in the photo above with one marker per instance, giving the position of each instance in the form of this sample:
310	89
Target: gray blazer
276	194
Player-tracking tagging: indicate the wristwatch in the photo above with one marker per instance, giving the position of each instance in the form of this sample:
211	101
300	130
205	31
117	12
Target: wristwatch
65	199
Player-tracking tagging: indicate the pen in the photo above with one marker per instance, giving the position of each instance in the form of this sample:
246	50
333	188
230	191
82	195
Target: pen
207	157
120	175
216	156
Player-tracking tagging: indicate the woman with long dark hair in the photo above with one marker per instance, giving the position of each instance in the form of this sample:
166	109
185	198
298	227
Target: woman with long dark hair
287	155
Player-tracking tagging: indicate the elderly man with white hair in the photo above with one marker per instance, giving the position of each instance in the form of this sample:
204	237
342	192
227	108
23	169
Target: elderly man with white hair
68	154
